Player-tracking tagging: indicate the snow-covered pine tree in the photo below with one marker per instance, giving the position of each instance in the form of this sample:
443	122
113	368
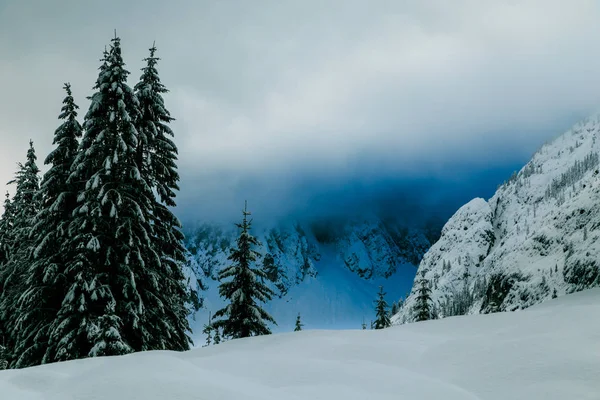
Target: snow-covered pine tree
114	259
395	308
25	206
217	337
207	330
45	288
299	324
3	358
243	316
156	156
382	315
422	308
6	224
364	324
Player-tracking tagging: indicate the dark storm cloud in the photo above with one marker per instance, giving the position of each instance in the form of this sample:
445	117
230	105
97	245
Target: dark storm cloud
293	104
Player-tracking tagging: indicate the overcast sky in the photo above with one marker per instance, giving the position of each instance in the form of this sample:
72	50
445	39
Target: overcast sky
285	102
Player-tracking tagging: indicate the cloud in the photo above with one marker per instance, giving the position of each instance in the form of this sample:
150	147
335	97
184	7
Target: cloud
295	98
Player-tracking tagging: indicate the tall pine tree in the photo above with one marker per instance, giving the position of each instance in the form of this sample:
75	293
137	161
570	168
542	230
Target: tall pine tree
111	231
6	242
422	307
244	288
156	156
13	274
382	316
45	285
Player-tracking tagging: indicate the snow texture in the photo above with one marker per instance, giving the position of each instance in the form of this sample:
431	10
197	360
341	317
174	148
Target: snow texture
547	352
538	237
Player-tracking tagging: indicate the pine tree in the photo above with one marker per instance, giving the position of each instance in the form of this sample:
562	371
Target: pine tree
364	324
299	324
217	337
395	308
13	273
422	306
156	156
243	316
6	225
111	272
207	330
6	243
3	358
382	316
40	302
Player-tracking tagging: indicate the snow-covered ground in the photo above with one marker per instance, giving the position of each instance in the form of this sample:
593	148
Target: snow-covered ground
549	351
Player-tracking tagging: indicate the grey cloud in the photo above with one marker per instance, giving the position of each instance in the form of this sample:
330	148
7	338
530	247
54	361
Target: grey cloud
281	92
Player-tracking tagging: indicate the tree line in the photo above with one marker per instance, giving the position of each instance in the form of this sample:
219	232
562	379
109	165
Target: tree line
91	255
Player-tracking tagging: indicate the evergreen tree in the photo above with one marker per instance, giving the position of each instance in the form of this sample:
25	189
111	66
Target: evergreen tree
217	337
208	328
422	306
395	308
45	288
6	225
243	316
24	207
6	243
299	324
156	156
3	358
364	324
382	316
111	272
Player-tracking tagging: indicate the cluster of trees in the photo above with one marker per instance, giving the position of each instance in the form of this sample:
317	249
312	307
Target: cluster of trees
91	255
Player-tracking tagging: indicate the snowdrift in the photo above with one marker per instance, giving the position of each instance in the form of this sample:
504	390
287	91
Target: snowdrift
549	351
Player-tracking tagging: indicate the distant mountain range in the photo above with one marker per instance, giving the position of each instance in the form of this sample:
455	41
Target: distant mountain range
329	271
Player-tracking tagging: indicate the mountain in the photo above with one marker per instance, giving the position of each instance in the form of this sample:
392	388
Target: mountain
547	352
536	238
329	271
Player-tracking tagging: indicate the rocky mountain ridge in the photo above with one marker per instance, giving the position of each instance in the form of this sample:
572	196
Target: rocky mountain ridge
535	239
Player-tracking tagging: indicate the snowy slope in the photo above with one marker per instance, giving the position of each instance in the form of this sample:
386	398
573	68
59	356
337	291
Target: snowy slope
536	238
547	352
330	274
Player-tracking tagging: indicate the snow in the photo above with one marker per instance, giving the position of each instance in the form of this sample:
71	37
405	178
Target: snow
550	351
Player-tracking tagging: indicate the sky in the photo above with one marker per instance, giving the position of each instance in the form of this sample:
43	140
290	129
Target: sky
318	106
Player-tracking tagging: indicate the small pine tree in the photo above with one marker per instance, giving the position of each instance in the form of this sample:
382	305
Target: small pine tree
217	337
364	325
554	294
243	316
422	308
382	315
208	328
299	324
395	308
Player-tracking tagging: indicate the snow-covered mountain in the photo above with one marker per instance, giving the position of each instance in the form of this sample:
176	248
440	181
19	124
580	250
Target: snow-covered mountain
536	238
547	352
328	271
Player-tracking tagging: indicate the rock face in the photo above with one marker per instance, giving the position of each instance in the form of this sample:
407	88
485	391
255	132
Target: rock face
538	237
369	247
